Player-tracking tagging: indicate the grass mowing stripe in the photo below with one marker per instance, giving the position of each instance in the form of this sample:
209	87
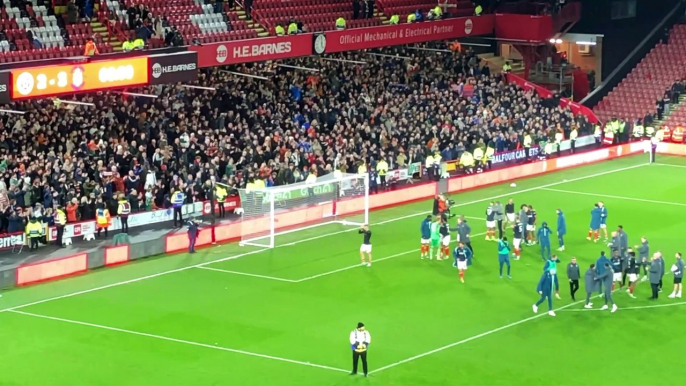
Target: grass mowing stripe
188	342
305	240
615	197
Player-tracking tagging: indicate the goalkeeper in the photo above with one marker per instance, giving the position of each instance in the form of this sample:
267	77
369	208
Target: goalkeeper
435	239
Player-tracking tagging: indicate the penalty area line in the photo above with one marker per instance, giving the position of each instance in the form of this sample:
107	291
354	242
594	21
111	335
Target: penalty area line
182	341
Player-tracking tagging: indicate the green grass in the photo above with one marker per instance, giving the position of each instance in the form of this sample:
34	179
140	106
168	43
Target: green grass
186	327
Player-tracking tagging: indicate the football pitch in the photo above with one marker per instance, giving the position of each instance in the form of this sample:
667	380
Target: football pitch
232	315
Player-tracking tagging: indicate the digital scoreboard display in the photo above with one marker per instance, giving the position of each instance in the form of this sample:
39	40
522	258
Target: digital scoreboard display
36	82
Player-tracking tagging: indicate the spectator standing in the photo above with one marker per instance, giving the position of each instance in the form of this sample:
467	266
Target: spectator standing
356	9
72	12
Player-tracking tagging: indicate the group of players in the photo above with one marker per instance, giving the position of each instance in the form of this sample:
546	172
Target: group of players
604	276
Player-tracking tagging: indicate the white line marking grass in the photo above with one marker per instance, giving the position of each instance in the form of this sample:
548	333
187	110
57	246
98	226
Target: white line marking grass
670	165
249	274
616	197
629	308
182	341
13	309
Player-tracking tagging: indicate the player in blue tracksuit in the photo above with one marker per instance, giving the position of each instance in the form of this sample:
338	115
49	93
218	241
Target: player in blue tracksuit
561	229
594	230
504	256
425	229
545	289
600	269
544	239
550	266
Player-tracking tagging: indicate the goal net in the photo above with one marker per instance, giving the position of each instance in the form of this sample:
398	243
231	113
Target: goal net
333	198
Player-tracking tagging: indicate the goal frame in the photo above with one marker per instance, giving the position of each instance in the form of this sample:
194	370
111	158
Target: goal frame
268	241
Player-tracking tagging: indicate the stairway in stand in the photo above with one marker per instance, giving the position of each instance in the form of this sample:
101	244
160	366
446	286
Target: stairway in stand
100	29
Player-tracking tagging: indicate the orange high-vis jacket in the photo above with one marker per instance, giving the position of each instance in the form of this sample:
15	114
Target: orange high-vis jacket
678	135
667	133
90	49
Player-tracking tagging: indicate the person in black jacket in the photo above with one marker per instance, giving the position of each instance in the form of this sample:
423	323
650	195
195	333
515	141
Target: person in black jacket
16	223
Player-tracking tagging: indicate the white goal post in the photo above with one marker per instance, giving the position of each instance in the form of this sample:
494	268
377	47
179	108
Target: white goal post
333	198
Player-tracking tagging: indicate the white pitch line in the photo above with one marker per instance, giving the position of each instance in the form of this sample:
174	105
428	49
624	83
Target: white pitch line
616	197
628	308
674	166
188	342
301	241
248	274
475	337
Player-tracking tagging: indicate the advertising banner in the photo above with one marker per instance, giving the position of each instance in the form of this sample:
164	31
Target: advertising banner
5	87
391	35
10	240
172	68
253	50
135	220
231	203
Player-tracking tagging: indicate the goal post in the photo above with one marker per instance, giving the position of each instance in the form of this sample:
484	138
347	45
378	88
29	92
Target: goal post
333	198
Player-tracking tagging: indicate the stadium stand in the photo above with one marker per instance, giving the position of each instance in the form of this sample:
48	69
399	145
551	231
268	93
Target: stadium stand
405	7
315	15
29	32
277	130
637	94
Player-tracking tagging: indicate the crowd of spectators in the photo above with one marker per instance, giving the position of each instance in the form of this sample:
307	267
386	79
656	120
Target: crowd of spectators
400	108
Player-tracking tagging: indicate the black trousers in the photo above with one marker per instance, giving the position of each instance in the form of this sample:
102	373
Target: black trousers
60	234
124	223
469	245
573	144
177	213
659	285
356	357
573	287
500	229
654	287
382	179
33	243
100	229
222	210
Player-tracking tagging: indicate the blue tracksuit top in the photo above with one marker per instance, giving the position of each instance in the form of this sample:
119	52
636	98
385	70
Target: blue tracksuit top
545	285
544	235
600	264
503	249
561	224
426	229
595	218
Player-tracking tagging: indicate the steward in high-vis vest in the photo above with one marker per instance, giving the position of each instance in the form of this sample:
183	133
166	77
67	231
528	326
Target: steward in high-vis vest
177	200
678	135
559	136
340	23
650	132
139	44
478	156
395	19
279	30
490	152
573	135
621	131
667	133
527	145
123	210
34	231
102	218
60	222
411	18
639	131
221	195
292	28
382	169
467	162
429	165
598	134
